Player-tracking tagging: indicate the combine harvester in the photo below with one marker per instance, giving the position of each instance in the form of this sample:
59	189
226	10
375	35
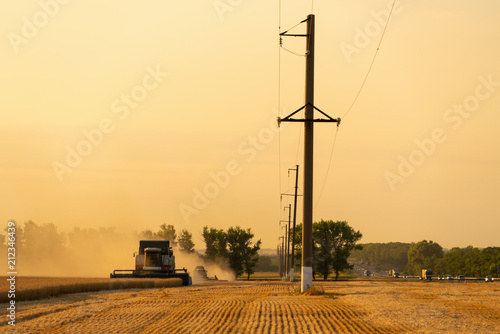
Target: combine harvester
154	260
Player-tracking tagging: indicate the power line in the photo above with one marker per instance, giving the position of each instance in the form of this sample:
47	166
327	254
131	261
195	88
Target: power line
373	61
328	168
279	98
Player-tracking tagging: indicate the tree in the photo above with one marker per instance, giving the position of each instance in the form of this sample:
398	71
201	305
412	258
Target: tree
298	244
167	232
470	261
186	243
423	255
242	255
147	235
334	243
267	264
215	242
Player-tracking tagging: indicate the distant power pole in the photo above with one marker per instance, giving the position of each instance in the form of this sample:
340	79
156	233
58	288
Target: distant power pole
289	267
292	265
288	241
282	256
307	252
278	252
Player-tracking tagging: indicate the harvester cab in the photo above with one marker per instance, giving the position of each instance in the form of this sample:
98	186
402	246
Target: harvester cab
155	258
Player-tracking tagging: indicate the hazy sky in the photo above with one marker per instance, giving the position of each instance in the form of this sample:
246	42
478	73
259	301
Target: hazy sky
134	114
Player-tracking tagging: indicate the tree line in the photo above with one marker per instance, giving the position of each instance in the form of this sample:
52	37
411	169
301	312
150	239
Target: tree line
412	258
41	249
384	255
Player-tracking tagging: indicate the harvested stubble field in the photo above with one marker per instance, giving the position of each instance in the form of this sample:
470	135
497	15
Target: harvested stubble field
370	306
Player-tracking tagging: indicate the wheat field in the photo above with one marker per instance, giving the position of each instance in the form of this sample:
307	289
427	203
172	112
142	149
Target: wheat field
370	306
33	288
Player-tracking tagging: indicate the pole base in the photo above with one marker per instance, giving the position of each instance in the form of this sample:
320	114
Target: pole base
306	279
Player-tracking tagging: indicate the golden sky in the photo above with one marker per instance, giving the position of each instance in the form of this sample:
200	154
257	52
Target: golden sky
134	114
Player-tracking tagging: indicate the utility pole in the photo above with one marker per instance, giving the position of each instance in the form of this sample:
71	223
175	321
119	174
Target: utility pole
282	255
287	240
292	265
307	252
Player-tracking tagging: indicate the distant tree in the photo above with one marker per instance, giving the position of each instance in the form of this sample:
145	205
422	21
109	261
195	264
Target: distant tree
470	261
242	255
147	235
265	264
298	244
186	243
423	255
167	232
215	243
392	255
334	243
490	261
38	245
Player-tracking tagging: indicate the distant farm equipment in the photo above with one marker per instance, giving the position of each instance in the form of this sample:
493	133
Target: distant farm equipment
427	274
394	273
201	273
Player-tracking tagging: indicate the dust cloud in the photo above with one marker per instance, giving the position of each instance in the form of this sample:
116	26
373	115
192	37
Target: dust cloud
191	260
43	251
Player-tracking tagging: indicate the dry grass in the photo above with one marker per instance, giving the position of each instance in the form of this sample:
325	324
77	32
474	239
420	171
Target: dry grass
368	306
33	288
315	291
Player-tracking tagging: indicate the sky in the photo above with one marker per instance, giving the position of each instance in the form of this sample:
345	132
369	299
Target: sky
135	114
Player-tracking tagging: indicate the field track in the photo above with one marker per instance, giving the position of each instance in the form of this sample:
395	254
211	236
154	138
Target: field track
270	307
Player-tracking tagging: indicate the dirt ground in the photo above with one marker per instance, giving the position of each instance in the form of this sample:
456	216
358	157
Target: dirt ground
370	306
